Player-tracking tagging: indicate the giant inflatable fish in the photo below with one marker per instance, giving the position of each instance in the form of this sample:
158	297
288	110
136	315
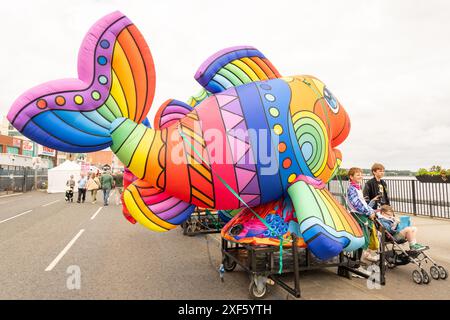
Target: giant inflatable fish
252	138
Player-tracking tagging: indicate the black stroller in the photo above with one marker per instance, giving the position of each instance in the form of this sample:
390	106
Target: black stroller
69	195
396	255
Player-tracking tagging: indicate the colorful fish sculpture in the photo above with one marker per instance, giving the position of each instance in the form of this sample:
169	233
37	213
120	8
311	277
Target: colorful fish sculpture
251	137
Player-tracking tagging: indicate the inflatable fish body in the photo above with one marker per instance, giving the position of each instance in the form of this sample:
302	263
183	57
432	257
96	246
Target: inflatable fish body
254	138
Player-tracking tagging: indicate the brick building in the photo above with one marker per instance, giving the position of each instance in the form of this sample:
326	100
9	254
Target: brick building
100	158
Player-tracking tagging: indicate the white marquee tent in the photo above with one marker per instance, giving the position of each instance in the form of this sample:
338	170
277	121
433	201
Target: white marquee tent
58	176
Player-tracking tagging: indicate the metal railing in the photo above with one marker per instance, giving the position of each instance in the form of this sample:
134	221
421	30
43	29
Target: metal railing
410	196
22	179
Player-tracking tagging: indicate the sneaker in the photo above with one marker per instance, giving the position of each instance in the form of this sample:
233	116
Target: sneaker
368	258
362	270
373	257
416	246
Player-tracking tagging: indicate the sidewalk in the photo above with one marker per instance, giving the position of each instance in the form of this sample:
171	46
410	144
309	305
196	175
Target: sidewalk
325	284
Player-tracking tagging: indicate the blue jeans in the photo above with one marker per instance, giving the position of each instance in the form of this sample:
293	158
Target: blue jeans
106	196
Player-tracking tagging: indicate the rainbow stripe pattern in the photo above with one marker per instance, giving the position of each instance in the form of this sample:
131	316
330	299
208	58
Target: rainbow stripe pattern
115	79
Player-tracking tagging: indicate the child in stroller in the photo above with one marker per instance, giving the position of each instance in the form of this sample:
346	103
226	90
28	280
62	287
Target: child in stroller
390	222
396	255
69	191
69	195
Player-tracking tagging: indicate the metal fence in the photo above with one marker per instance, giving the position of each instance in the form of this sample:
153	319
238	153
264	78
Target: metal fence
410	196
22	179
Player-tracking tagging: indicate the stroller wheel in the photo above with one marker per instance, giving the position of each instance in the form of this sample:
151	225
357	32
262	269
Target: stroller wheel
442	272
426	277
390	264
417	277
434	271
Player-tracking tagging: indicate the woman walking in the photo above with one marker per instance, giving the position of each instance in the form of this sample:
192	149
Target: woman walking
93	186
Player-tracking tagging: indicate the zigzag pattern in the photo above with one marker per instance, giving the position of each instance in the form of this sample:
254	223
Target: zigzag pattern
200	176
238	139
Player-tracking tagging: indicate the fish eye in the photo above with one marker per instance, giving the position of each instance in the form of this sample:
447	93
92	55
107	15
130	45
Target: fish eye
331	100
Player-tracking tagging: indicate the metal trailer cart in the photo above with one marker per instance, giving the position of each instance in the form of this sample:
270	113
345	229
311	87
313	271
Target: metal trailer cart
202	221
262	264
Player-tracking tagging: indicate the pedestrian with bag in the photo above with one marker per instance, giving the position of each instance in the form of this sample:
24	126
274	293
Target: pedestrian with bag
93	186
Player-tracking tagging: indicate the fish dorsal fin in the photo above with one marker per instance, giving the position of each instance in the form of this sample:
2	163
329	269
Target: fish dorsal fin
170	112
196	99
234	66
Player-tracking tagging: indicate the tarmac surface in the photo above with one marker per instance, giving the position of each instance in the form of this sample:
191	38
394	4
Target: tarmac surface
44	250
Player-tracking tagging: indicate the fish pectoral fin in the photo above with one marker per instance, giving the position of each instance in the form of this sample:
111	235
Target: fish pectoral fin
170	112
154	208
234	66
326	226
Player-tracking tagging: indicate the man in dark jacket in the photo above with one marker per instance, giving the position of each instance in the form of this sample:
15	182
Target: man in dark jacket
376	188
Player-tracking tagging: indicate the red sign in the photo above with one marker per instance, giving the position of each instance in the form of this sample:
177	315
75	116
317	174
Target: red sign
46	151
27	145
17	142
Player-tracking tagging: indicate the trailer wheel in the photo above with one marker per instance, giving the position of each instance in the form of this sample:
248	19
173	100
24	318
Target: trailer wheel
255	292
191	228
184	227
228	264
442	272
417	277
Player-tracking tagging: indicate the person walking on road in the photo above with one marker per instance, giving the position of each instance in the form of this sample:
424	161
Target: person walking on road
107	182
93	185
71	182
118	182
82	188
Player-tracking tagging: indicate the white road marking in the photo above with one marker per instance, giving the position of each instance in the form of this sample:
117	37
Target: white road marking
63	252
96	212
47	204
11	195
14	200
18	215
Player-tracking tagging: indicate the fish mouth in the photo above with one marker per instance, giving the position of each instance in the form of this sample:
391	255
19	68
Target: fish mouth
341	134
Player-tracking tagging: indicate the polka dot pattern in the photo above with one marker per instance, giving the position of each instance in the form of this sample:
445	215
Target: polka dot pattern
287	163
273	103
41	104
60	100
102	60
278	129
269	97
292	178
274	112
104	44
78	99
96	95
102	79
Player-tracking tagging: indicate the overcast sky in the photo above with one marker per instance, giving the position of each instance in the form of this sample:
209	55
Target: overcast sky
388	62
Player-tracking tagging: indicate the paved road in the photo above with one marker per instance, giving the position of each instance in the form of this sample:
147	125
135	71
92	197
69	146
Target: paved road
118	260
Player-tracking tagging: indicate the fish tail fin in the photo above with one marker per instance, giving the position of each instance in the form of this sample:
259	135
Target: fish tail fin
154	208
116	78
